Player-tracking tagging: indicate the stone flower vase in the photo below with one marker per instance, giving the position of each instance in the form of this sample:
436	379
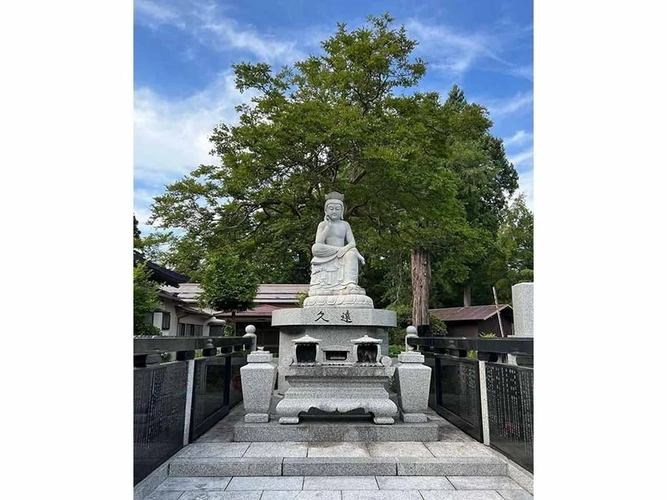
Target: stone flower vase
414	380
258	379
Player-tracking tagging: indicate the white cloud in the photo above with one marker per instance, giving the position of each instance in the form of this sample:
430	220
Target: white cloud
455	51
208	24
518	139
526	187
451	51
522	101
523	158
171	137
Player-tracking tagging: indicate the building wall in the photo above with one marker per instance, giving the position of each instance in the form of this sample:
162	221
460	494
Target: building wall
491	326
267	336
462	329
170	307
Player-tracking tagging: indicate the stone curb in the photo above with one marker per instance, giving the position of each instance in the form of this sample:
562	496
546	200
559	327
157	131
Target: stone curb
207	467
367	432
342	466
459	466
339	466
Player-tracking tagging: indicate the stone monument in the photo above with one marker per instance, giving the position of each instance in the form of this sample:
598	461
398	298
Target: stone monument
522	303
333	351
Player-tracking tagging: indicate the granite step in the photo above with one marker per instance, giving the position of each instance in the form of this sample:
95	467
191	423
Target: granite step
336	466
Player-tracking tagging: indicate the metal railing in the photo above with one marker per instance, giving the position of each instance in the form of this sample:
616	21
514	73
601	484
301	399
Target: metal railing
176	402
486	395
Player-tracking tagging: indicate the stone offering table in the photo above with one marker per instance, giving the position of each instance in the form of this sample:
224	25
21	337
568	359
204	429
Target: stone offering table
337	388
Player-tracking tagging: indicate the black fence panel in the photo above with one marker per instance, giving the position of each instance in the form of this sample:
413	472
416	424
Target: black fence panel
217	389
235	392
458	393
510	401
210	396
159	415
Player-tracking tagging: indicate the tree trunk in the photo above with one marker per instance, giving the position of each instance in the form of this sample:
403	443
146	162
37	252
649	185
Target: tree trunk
233	320
467	294
421	281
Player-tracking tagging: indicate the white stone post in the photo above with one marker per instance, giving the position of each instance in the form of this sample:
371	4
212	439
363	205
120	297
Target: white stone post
258	378
413	384
484	403
189	390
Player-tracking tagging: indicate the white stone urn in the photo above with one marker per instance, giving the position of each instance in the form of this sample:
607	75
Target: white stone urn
258	379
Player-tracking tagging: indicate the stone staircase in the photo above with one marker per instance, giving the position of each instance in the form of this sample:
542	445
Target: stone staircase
320	447
338	461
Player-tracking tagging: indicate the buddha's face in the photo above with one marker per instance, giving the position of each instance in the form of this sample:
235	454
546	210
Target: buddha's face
334	210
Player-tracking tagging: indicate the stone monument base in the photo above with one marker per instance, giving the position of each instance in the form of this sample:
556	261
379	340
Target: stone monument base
337	388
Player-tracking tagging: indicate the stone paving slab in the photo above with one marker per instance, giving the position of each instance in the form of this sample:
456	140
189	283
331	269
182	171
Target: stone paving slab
225	466
413	483
194	483
381	495
404	449
445	449
287	449
484	483
211	450
515	494
217	435
301	495
339	466
221	495
330	449
458	466
266	483
164	495
339	483
461	495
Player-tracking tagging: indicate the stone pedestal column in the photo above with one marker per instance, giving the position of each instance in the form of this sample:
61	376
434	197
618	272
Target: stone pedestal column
522	303
413	382
258	378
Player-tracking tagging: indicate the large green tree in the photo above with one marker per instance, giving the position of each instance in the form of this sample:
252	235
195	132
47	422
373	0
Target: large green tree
419	174
229	284
146	300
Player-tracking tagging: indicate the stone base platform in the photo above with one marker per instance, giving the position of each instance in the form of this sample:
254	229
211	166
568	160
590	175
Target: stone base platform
326	430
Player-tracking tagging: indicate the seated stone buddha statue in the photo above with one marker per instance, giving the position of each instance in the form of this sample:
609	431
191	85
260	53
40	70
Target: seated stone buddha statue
335	263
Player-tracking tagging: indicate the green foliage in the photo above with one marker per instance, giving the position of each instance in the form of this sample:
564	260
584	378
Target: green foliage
512	262
471	354
404	319
301	297
438	327
228	283
417	170
395	349
146	300
487	335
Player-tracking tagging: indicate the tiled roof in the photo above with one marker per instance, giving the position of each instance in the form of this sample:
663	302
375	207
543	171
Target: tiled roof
266	294
470	313
159	273
262	310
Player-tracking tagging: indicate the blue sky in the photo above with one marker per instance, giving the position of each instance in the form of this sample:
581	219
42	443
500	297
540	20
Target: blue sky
184	49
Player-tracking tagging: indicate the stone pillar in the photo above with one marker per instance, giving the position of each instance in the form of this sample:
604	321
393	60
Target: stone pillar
413	382
522	304
258	378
